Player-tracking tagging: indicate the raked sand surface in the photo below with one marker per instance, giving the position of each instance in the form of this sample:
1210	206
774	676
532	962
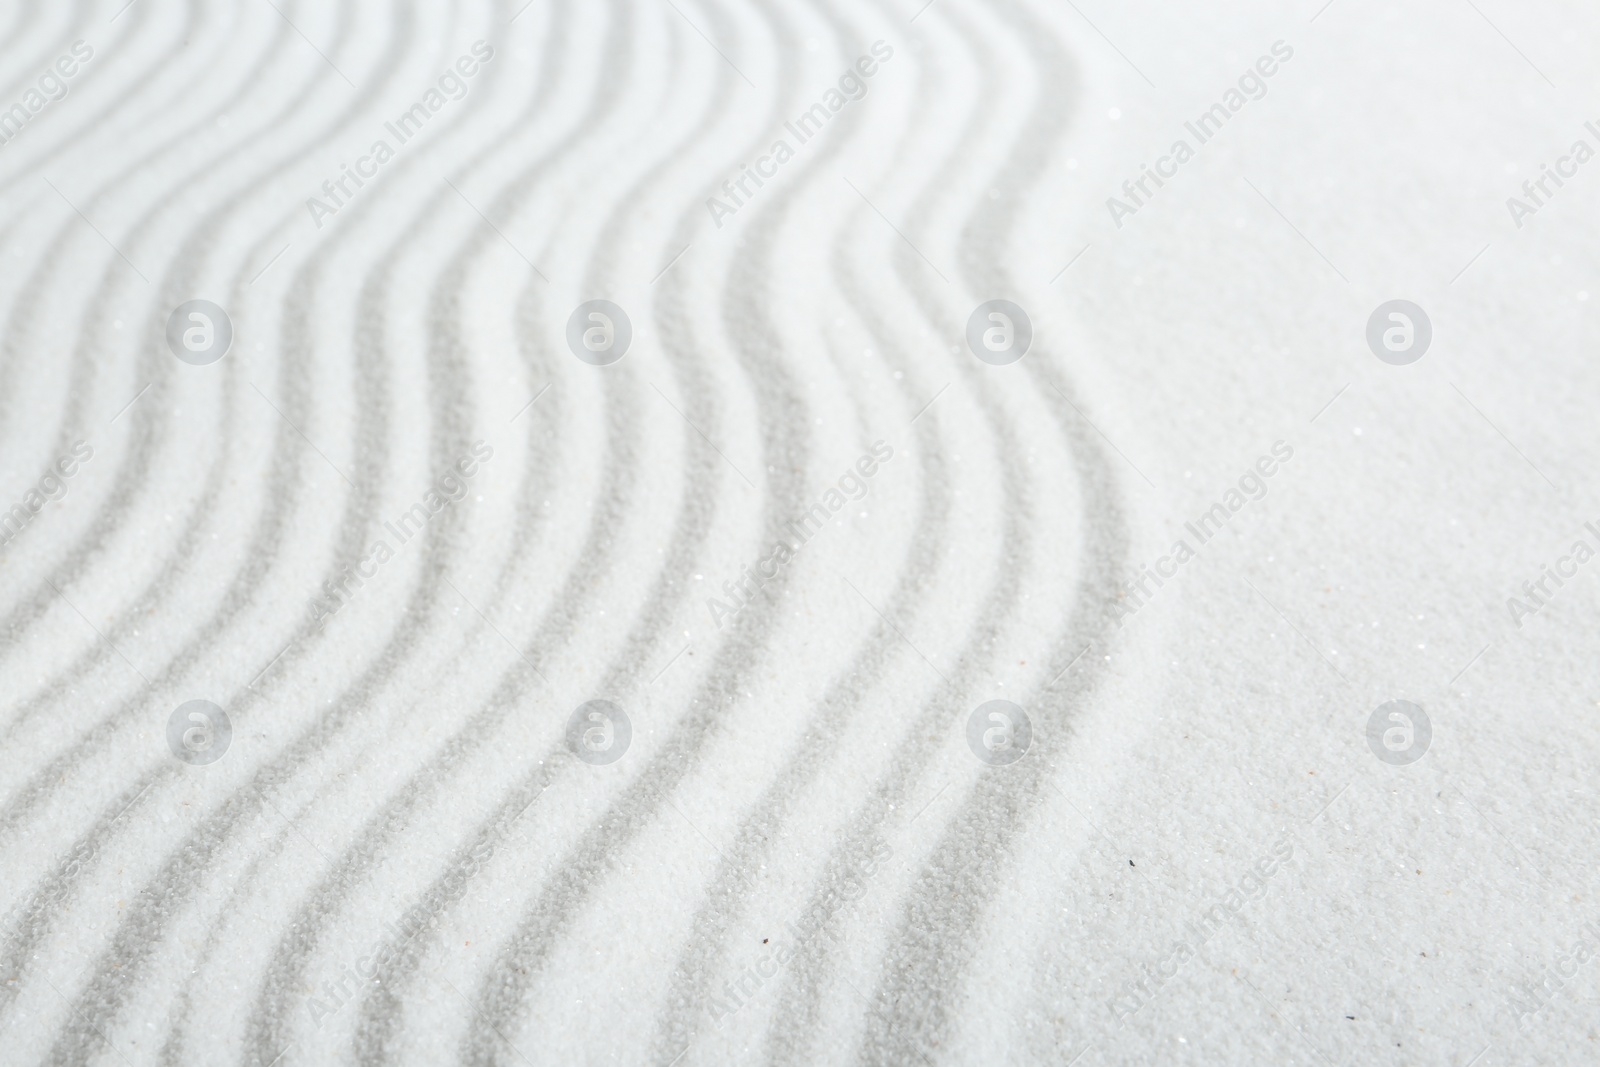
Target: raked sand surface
406	660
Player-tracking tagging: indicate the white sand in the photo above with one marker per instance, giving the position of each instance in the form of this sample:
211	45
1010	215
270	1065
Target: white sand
797	858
